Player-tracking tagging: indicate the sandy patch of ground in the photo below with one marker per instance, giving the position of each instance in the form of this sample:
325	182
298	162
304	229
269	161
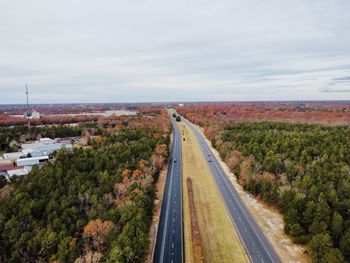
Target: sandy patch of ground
268	218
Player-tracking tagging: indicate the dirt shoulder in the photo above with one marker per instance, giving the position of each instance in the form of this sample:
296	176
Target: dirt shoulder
219	240
268	218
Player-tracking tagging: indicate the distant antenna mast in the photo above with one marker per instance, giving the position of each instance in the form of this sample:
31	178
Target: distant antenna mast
27	94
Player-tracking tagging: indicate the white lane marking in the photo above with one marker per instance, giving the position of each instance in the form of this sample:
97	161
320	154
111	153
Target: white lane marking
253	244
245	229
172	245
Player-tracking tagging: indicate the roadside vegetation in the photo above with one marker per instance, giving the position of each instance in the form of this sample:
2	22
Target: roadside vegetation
301	169
93	204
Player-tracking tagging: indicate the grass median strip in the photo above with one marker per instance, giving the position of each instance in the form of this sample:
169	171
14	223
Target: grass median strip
219	241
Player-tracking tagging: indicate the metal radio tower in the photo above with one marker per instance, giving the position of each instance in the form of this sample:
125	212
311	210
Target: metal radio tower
27	94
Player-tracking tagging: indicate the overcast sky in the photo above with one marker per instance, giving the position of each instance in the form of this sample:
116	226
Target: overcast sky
182	50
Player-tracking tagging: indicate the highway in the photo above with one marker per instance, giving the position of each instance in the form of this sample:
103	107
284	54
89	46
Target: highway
257	246
169	243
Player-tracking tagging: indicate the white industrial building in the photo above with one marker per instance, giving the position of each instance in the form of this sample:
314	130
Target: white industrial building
19	172
39	154
44	146
13	155
46	141
33	114
31	161
32	153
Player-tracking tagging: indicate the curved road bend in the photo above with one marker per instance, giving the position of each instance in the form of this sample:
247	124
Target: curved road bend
256	244
169	243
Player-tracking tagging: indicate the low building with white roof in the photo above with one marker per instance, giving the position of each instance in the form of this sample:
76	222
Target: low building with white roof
45	146
32	153
18	172
46	141
31	161
13	155
39	154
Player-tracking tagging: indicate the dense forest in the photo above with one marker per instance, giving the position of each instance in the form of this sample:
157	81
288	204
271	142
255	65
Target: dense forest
301	169
92	204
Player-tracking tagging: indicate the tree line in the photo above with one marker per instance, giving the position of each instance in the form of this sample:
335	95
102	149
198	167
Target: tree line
301	169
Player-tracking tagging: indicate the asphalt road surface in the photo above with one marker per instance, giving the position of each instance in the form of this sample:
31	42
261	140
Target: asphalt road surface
169	244
254	241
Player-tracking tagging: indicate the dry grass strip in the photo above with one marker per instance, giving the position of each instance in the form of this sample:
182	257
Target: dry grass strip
196	235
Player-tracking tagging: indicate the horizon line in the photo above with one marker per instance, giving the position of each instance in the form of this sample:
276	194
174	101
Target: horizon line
177	102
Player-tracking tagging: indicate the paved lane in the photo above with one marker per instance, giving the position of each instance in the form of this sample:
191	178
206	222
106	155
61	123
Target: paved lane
169	244
255	242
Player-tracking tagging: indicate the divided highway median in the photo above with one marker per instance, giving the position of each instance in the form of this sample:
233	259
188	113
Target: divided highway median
219	240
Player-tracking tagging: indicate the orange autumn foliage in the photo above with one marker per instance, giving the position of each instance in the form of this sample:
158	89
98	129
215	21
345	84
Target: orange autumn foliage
213	116
157	162
137	173
160	149
97	231
245	170
233	159
98	139
126	173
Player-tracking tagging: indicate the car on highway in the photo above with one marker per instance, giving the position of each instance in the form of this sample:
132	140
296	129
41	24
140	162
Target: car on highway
174	160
